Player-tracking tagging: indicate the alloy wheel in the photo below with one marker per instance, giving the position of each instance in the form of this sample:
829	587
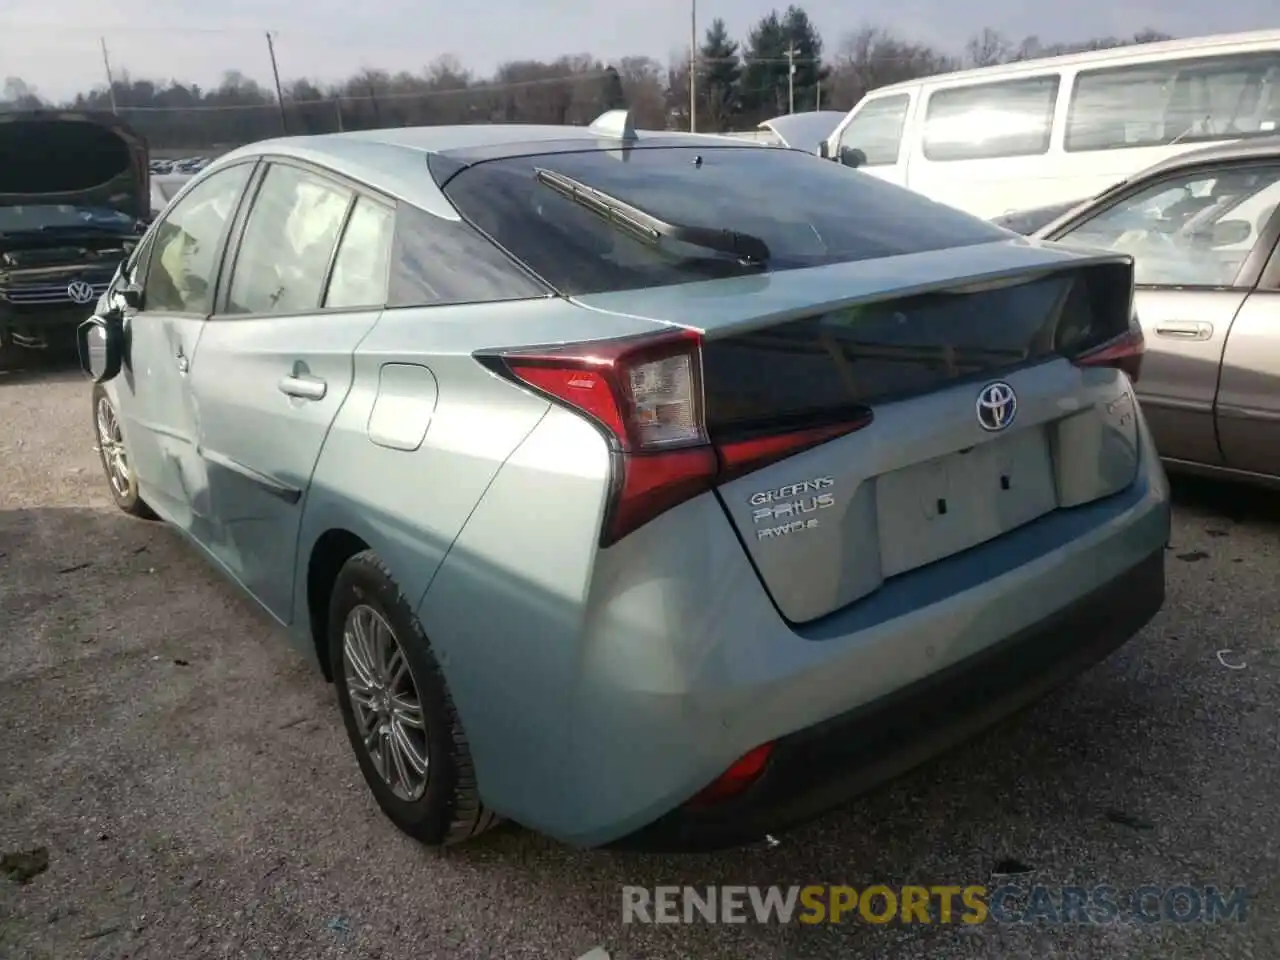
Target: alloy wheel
111	444
385	702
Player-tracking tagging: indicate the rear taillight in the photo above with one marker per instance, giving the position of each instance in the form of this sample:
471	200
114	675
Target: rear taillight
746	770
1124	353
646	395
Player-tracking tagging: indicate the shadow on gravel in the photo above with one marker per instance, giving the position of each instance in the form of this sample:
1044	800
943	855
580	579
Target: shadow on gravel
37	366
1237	502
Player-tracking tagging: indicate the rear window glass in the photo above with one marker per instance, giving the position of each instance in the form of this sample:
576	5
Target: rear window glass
808	211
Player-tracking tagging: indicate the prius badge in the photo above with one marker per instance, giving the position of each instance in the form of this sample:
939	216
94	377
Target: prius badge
996	407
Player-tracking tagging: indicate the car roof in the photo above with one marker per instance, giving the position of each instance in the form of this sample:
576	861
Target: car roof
394	160
1210	44
1251	148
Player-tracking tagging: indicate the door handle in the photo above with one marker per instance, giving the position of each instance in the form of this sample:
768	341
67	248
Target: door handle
183	364
304	388
1185	330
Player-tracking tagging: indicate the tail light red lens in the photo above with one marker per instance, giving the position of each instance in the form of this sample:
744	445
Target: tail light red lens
646	394
745	771
1124	353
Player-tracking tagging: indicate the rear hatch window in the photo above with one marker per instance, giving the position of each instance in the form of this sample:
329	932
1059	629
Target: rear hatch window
808	212
816	367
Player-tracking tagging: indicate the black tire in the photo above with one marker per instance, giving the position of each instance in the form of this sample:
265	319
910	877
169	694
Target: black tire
128	499
449	810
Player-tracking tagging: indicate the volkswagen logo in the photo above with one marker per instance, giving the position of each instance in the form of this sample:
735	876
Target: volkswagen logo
80	292
997	406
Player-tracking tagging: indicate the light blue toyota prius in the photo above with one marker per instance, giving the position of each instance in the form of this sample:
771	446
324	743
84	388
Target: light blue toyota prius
645	489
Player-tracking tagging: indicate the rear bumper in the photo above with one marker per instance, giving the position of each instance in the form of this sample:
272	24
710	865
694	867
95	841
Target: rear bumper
817	768
602	689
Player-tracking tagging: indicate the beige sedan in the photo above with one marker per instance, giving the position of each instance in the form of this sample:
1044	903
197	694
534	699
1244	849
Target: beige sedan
1203	230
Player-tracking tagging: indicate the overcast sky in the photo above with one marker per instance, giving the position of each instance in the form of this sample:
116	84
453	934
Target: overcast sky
53	44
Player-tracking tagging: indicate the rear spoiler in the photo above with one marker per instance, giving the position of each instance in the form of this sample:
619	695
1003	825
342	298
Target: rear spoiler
721	308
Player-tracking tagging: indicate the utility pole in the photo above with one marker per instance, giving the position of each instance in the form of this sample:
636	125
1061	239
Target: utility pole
275	71
693	66
791	79
111	83
817	92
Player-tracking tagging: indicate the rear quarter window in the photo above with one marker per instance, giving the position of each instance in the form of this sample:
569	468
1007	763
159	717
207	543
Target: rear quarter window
810	212
435	261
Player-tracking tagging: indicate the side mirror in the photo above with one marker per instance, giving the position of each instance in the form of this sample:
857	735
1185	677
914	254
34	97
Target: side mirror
852	157
1228	232
131	294
101	342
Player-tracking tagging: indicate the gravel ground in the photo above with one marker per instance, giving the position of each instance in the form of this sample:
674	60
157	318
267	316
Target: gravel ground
190	778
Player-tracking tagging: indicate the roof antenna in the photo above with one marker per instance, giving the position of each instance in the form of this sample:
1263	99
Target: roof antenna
614	125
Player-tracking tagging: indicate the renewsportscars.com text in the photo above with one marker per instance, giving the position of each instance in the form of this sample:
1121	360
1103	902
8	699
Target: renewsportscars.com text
973	904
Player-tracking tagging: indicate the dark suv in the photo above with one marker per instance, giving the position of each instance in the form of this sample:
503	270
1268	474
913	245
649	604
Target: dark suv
74	195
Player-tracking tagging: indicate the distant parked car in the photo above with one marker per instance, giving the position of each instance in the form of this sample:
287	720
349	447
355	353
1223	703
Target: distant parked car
1001	138
164	188
1202	228
616	501
73	195
804	131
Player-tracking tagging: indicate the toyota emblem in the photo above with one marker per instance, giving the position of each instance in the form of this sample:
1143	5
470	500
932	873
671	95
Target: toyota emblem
80	292
997	406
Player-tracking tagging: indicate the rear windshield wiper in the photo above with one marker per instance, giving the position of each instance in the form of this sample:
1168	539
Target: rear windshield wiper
649	229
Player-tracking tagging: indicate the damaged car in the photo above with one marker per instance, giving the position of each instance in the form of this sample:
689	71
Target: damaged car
74	195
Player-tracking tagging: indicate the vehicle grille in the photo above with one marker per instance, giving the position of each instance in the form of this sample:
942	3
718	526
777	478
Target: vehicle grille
45	292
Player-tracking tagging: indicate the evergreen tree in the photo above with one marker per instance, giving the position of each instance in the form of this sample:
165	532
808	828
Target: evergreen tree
719	72
764	66
611	94
806	44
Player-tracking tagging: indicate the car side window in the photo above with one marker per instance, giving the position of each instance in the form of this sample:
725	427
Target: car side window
1009	118
364	254
435	261
1192	230
1175	101
184	246
876	129
287	243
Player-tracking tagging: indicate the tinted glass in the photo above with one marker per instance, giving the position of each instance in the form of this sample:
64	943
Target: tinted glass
1193	230
808	211
1009	119
798	372
186	244
287	243
876	129
438	261
1182	101
360	268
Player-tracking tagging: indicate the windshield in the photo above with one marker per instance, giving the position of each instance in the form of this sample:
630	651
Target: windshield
1190	230
62	216
806	211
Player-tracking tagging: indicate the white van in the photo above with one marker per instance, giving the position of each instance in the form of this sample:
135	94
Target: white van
1022	135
